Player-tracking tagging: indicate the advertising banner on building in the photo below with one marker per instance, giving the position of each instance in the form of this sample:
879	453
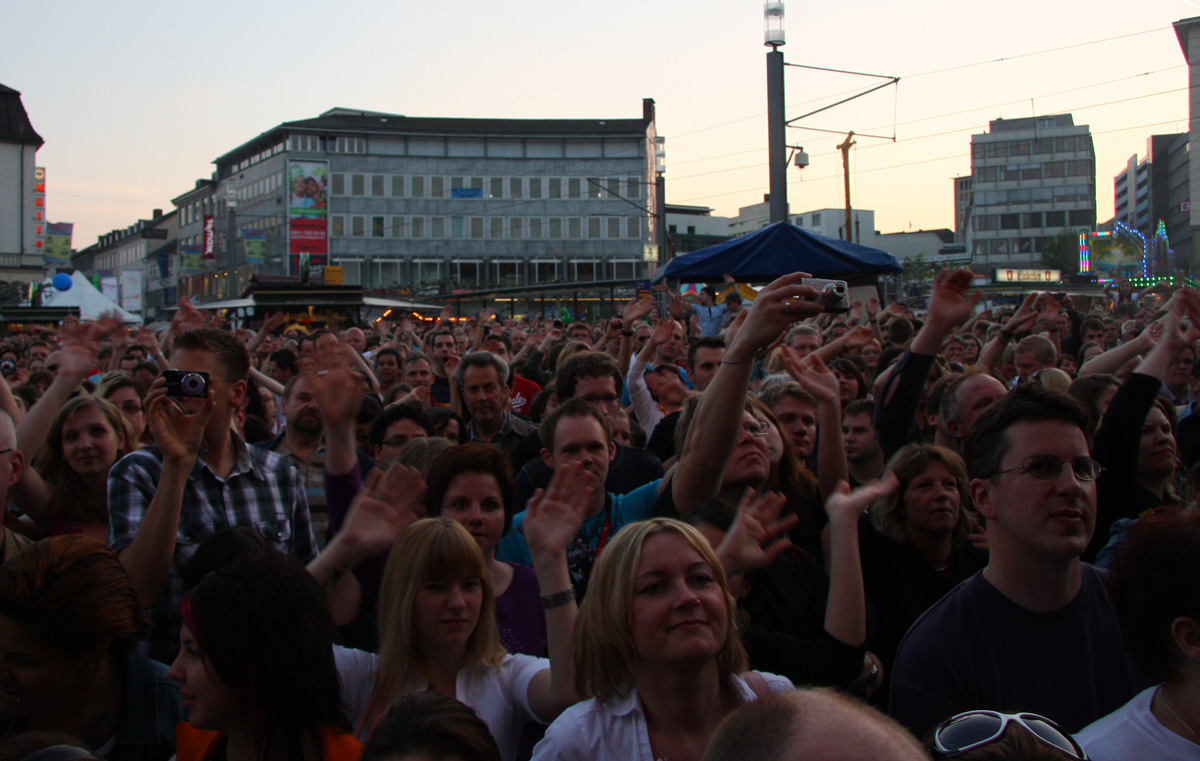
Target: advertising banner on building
131	290
209	238
308	208
39	210
254	243
108	288
57	252
193	259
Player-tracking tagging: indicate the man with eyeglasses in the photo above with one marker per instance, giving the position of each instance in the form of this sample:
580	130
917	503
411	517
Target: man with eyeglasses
595	378
1035	630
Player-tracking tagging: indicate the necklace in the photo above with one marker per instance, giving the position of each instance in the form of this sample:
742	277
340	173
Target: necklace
1167	705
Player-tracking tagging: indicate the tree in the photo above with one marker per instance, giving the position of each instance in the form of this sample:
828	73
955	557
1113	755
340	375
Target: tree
1062	253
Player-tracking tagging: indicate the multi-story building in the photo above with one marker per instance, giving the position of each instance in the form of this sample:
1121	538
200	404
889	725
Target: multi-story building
832	224
1155	189
694	227
962	207
124	261
22	196
427	205
1032	179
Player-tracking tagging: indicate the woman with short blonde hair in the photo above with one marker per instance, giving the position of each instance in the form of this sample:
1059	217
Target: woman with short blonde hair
657	640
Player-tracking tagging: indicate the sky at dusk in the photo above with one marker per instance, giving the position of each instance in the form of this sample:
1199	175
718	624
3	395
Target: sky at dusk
135	99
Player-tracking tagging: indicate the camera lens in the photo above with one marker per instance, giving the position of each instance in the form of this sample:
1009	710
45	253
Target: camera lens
192	384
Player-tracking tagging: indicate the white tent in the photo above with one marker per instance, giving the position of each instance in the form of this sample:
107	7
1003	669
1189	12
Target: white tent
91	303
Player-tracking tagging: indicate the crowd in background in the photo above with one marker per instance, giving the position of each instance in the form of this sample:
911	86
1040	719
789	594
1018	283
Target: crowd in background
715	528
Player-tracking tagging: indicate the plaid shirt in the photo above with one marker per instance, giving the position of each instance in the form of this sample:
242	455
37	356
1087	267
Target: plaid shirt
263	491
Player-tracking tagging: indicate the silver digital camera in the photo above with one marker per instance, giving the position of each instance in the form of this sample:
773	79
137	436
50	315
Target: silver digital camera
832	294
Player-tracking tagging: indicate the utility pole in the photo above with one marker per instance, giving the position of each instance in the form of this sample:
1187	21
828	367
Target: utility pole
776	119
844	147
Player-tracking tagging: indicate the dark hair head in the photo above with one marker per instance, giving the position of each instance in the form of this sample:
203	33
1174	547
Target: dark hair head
1155	580
860	407
222	549
284	359
571	408
1087	390
388	351
74	593
899	331
407	411
712	342
431	727
846	366
475	457
987	442
586	364
255	622
439	417
231	353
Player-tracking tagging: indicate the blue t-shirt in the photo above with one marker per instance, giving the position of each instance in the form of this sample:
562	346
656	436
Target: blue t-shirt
596	531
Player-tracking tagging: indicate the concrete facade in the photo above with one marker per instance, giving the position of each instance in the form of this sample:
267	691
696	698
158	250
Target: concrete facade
431	205
20	218
1032	179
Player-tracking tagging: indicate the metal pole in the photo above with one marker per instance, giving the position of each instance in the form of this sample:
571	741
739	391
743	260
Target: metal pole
660	214
776	136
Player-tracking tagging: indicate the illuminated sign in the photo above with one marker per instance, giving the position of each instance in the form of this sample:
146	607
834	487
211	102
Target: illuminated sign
1027	276
209	248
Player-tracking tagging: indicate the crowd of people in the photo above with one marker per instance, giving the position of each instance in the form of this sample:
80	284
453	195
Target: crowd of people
690	530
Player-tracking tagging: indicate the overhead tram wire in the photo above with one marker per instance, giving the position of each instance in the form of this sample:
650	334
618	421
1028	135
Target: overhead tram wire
964	129
1001	59
839	175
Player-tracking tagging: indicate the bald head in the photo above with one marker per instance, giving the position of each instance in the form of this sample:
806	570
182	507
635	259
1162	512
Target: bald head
811	725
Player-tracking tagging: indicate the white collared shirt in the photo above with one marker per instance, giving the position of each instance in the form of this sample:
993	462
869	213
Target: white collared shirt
615	730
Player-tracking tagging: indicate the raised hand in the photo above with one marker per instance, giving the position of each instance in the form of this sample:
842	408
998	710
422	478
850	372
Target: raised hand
338	393
812	373
777	306
872	307
757	534
847	506
420	395
274	322
636	309
950	303
553	516
1025	315
177	432
856	338
389	503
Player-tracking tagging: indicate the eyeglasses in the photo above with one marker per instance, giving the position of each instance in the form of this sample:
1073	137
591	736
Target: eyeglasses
1048	469
974	729
756	429
594	400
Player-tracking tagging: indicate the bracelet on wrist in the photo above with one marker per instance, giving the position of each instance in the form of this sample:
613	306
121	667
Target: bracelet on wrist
627	332
737	361
557	599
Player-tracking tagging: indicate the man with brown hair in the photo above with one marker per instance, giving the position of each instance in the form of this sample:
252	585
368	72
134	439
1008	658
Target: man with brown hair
198	478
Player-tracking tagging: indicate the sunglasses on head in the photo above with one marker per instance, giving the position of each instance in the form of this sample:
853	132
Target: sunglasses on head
974	729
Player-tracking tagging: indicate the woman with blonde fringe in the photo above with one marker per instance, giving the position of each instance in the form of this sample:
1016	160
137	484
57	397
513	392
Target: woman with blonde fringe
437	628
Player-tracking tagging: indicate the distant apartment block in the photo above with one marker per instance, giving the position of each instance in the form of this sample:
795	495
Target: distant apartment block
1031	179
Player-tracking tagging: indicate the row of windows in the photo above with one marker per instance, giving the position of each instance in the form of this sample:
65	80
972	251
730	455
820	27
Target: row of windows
259	188
1008	246
327	144
1059	194
1047	170
196	210
511	228
1033	220
385	273
1035	147
266	153
420	186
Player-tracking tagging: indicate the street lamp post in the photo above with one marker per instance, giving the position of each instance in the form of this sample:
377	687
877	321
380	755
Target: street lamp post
773	37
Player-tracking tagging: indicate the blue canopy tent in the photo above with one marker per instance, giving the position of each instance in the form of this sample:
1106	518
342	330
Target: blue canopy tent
777	250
